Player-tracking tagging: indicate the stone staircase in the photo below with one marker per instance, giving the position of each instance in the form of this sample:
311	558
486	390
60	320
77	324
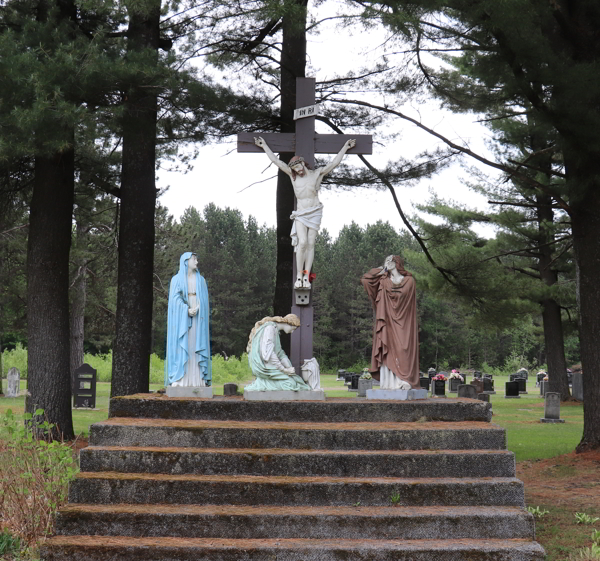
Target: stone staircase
345	480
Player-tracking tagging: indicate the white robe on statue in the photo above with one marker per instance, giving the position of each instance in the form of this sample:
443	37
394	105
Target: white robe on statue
310	217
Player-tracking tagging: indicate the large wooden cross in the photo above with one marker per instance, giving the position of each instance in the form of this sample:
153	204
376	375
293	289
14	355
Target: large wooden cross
304	142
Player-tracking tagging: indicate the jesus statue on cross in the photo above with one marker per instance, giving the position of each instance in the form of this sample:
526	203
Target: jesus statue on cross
309	211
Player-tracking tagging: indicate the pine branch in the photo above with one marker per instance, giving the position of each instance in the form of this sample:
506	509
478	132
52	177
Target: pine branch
510	171
444	272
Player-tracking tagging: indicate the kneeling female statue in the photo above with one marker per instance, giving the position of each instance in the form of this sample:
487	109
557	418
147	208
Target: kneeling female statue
395	355
268	361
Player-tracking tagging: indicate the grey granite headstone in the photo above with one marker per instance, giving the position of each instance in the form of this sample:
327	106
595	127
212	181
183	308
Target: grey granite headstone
577	387
552	408
230	389
467	390
544	386
484	397
14	382
363	386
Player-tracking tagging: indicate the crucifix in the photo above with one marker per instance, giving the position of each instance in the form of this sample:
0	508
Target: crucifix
305	142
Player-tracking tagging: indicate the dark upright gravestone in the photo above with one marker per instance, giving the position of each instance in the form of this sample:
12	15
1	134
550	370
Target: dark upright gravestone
522	384
84	387
353	387
478	383
230	389
488	386
484	397
340	375
438	388
424	382
467	390
552	409
512	390
453	384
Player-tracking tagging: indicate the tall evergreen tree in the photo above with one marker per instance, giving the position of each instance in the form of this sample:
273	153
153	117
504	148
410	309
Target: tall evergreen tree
552	53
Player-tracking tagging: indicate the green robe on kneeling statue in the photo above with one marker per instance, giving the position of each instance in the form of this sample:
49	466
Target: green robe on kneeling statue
268	361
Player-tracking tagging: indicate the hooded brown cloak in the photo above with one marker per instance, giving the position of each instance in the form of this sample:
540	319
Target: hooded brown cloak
395	333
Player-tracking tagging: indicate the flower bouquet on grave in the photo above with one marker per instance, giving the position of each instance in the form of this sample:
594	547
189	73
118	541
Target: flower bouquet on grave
454	380
366	375
438	385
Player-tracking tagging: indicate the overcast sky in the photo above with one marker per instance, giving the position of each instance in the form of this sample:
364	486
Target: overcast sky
223	176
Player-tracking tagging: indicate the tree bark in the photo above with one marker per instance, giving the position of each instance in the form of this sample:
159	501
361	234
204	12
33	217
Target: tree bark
583	174
293	65
551	314
48	245
131	350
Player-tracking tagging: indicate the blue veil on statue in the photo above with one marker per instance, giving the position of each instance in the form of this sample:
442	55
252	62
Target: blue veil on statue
179	323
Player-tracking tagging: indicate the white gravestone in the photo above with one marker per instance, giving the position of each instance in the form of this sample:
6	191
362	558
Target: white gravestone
14	382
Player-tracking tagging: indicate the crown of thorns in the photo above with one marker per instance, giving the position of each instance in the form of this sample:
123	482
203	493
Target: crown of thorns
296	160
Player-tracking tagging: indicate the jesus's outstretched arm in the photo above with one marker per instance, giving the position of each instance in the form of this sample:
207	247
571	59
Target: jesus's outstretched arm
260	141
338	158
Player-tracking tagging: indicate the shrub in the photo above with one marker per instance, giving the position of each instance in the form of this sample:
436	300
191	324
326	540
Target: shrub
17	357
102	364
232	370
35	478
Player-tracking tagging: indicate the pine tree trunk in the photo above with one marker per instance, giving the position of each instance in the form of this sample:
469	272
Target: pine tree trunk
585	216
48	245
131	351
551	315
78	297
293	65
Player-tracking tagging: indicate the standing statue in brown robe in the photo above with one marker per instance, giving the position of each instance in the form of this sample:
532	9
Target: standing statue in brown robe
395	356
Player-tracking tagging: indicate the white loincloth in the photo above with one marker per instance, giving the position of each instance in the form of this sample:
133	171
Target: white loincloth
310	217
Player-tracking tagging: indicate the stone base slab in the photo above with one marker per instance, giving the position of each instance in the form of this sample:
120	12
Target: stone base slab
189	391
552	420
489	393
512	397
401	395
285	395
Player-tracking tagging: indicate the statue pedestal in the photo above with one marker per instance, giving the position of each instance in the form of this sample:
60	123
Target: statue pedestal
189	391
285	395
400	395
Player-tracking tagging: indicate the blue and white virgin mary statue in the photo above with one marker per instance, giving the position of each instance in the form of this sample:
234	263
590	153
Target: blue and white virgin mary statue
188	337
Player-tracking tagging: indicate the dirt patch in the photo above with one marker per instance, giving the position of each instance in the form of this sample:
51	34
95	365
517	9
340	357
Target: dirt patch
563	485
568	480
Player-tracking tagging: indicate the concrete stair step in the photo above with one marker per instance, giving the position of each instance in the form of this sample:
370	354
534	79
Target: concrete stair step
274	461
112	487
103	548
324	522
329	436
334	410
